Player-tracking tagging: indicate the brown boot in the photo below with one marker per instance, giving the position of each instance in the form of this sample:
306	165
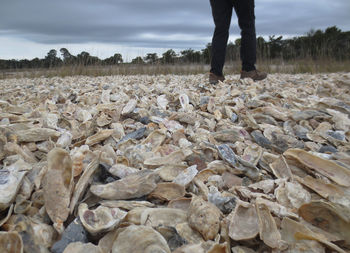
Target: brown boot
214	79
256	75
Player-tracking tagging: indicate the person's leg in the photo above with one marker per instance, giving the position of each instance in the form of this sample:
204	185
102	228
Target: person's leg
246	21
222	13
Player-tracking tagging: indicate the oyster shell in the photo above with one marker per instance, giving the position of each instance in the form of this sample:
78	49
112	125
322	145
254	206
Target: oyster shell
23	152
184	101
292	195
57	186
189	234
173	158
330	169
268	229
35	236
293	232
79	247
162	216
186	176
10	183
280	168
64	140
180	203
99	137
122	171
244	167
36	134
78	155
101	219
162	102
156	138
170	172
252	154
140	239
10	242
167	191
6	215
333	218
242	249
244	223
126	204
83	182
133	186
129	107
204	217
170	234
332	192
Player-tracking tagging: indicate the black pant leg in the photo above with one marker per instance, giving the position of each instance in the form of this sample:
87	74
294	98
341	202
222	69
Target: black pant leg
246	21
222	13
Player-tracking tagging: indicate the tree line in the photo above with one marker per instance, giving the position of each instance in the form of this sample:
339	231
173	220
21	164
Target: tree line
332	43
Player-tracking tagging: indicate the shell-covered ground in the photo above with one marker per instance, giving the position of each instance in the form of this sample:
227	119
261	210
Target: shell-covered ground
172	164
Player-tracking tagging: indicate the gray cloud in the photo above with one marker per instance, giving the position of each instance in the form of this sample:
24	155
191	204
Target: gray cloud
156	23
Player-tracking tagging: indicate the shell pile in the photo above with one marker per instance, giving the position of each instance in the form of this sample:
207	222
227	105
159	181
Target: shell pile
173	164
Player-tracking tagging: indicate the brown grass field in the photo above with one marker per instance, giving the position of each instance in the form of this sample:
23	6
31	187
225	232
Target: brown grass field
270	66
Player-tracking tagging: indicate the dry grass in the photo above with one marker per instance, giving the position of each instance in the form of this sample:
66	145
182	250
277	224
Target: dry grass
270	66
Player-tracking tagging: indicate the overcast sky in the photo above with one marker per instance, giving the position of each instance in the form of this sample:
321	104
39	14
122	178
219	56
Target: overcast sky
30	28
